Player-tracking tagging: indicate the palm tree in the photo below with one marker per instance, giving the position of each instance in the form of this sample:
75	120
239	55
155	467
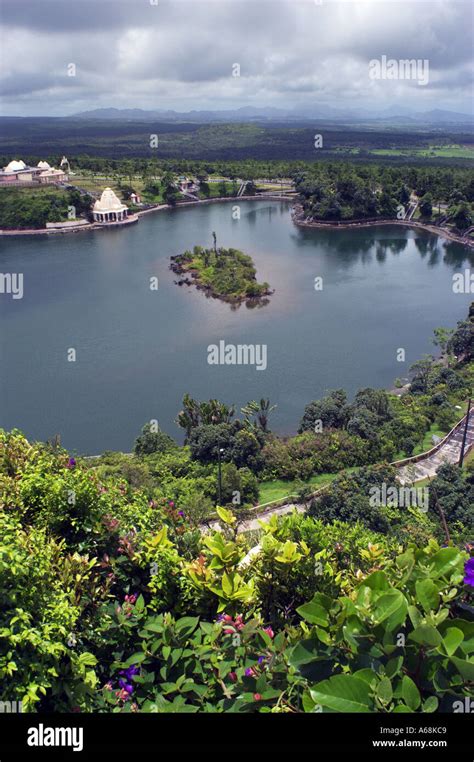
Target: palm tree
215	412
261	410
190	416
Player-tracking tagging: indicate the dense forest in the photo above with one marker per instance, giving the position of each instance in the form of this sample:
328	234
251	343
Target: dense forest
340	192
328	190
125	588
34	208
235	141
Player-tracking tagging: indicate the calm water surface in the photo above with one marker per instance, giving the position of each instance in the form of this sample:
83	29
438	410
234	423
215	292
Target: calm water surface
138	351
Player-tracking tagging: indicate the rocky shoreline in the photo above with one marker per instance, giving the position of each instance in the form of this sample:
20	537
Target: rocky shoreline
300	221
191	278
296	215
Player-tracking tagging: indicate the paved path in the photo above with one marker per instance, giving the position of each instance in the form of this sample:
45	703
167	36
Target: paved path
449	452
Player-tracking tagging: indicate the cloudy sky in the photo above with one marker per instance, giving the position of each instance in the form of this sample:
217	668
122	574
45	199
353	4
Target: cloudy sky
179	54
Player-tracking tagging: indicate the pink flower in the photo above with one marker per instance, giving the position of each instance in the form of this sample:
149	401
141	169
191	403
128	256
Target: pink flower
122	695
269	632
257	696
233	676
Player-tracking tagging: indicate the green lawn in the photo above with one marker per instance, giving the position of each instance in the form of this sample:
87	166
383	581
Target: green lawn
215	190
448	152
277	489
427	443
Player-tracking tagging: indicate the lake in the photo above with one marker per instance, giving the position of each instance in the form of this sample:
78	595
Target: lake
139	350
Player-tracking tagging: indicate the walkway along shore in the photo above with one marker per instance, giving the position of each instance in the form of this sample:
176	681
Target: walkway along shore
412	469
443	232
135	217
297	220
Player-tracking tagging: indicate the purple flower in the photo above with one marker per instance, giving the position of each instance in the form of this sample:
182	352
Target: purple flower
261	659
130	672
127	687
71	463
469	572
249	672
180	513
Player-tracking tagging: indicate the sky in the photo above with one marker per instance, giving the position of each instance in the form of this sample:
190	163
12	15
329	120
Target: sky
182	54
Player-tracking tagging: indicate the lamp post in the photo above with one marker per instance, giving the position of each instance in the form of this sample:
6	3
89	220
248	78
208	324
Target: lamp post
219	471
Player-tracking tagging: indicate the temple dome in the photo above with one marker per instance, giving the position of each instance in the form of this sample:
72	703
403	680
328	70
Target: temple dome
15	166
43	165
109	202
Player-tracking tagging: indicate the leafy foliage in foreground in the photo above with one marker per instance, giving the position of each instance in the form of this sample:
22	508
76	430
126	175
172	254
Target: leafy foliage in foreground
112	602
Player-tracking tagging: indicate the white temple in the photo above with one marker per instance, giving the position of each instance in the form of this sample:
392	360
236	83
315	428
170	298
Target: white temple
109	208
18	173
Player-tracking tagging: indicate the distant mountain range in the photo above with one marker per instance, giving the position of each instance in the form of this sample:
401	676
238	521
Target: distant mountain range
394	114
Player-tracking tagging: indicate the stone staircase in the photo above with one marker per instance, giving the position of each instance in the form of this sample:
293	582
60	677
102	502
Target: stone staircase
448	451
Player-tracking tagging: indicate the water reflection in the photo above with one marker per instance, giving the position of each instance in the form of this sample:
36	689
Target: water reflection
140	351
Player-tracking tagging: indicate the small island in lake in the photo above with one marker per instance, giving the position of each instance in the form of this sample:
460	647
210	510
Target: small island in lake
226	274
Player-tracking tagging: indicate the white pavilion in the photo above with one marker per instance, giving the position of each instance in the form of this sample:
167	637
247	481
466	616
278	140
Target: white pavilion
109	208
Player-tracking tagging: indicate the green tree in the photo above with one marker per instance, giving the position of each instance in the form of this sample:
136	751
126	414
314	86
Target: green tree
426	205
151	440
261	411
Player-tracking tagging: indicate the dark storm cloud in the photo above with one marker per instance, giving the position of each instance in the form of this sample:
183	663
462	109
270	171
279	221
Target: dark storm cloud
179	53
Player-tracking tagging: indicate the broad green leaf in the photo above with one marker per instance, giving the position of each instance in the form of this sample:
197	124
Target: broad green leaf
385	691
136	658
427	594
452	640
314	612
426	635
467	628
367	675
225	515
343	693
388	604
393	666
227	585
377	581
464	667
431	704
415	616
87	659
154	624
410	693
444	561
186	625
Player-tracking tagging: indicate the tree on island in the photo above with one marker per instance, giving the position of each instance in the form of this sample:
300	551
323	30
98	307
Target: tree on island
226	274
